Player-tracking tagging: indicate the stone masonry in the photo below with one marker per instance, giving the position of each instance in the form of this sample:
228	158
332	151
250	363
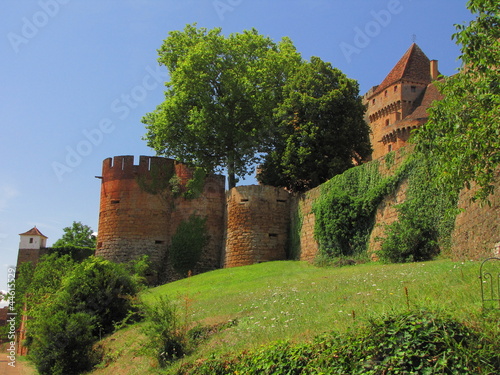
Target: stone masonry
257	225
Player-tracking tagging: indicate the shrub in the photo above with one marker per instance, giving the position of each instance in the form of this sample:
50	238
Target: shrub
62	343
163	326
425	219
188	243
88	301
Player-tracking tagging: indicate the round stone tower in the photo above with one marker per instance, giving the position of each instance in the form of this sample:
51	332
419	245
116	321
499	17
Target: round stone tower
132	222
136	220
257	225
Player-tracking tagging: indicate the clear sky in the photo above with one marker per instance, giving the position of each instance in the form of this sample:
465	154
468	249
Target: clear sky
76	76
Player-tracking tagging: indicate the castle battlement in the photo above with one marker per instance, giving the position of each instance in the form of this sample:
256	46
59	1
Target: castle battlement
123	167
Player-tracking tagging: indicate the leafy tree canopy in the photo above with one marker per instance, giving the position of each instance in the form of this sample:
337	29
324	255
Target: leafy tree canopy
218	104
77	235
321	131
463	131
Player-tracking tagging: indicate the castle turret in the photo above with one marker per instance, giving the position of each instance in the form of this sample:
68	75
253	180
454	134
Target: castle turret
257	225
32	246
132	222
139	215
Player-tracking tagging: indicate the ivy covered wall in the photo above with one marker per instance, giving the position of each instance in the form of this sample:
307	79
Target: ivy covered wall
387	208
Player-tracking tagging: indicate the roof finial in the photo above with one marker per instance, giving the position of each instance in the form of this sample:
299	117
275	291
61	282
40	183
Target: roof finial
414	38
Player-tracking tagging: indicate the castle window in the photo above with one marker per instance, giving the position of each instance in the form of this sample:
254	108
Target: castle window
387	122
115	201
385	94
373	101
281	200
414	89
395	88
273	235
99	245
31	240
159	242
390	147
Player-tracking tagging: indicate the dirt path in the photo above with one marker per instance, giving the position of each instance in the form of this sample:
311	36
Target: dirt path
20	366
5	369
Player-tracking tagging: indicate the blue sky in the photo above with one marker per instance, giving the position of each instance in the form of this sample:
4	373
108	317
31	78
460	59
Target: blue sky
76	76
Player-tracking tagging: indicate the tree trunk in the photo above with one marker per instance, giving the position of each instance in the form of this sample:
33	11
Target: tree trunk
230	176
230	172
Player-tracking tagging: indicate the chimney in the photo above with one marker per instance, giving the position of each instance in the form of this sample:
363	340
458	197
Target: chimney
434	70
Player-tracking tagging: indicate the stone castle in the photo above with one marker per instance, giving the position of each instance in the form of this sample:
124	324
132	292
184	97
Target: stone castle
251	224
399	104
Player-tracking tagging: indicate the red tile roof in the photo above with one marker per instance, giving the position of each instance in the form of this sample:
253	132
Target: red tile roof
33	232
430	95
413	66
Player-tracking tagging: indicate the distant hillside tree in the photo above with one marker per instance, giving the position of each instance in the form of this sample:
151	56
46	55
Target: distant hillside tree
78	234
463	131
220	98
321	131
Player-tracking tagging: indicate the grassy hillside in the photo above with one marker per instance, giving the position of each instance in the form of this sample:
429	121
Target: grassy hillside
297	301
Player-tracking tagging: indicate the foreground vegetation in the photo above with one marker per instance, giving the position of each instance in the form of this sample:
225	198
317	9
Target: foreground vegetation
281	313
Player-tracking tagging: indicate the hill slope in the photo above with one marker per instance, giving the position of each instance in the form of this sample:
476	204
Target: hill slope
297	301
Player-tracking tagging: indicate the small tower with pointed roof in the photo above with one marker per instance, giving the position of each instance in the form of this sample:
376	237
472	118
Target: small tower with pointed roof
399	104
32	246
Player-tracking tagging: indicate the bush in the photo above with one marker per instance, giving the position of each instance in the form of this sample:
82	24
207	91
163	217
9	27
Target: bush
89	301
62	343
167	335
187	244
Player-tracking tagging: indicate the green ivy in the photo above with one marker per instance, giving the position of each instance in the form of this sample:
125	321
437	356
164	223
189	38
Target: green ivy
345	211
425	219
194	186
413	342
188	243
293	248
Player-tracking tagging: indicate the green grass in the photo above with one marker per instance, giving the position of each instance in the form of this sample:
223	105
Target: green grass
298	301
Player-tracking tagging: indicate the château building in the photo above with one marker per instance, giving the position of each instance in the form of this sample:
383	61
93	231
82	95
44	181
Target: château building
399	104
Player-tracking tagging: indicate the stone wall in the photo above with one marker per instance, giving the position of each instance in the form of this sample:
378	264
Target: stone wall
303	221
210	205
257	225
30	255
251	224
303	218
477	227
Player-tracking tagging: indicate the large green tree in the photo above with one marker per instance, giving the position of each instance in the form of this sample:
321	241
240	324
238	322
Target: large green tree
218	105
463	131
321	131
77	234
